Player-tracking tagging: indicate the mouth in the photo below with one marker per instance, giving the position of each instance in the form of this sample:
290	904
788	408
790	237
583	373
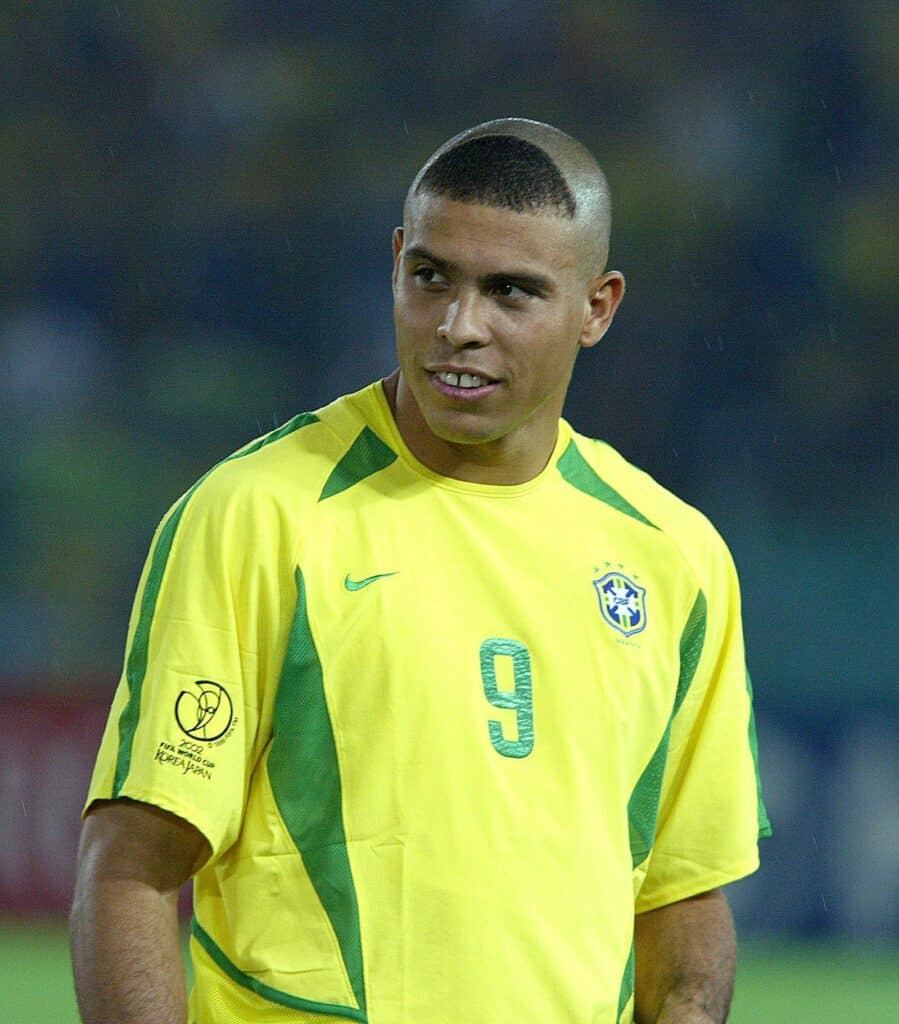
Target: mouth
462	386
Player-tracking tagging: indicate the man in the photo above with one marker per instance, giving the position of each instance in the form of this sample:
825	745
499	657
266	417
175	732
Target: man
442	704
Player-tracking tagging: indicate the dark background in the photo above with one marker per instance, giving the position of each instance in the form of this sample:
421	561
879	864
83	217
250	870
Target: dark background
195	219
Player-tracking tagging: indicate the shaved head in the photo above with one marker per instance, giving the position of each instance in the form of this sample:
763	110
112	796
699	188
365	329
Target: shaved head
548	171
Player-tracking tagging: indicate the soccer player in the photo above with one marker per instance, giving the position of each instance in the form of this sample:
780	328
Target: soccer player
442	705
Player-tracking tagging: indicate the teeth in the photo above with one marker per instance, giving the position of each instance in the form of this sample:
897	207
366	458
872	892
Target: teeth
463	380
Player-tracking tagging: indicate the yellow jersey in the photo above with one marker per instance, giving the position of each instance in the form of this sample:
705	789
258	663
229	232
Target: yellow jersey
444	739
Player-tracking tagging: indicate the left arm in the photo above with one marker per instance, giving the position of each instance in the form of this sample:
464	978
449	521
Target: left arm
685	961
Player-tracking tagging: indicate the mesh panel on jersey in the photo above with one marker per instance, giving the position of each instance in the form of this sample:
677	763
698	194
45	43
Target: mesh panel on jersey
366	455
305	778
575	469
643	806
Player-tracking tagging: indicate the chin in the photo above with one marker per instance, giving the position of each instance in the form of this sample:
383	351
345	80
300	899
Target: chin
454	432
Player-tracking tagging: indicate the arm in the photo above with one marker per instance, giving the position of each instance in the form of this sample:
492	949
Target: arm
685	957
126	953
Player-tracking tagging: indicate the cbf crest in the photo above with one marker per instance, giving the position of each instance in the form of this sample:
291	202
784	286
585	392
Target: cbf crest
622	602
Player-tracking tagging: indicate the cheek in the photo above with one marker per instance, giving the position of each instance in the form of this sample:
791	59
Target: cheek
401	320
548	350
411	334
409	312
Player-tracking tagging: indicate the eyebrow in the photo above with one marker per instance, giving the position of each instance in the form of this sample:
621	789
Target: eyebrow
530	282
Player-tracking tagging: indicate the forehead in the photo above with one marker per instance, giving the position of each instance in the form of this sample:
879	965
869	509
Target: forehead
489	238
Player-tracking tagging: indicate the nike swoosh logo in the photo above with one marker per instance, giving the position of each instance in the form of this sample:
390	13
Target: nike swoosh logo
359	584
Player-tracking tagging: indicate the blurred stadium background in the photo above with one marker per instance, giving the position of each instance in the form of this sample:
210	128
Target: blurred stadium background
195	215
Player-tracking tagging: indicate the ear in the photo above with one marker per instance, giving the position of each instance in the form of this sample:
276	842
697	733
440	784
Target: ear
397	252
604	295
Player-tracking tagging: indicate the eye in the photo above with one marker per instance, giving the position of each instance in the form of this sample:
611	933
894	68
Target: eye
428	275
509	290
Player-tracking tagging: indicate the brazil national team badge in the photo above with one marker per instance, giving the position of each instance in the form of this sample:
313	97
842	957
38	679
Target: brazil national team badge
622	602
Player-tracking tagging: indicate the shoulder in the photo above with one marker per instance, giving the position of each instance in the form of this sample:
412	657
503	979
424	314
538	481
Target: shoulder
683	524
290	464
274	481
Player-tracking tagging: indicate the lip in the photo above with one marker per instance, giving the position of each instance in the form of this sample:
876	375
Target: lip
461	394
459	370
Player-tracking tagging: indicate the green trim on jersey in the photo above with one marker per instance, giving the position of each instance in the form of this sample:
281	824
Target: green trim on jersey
136	666
305	778
580	474
627	983
368	454
765	829
260	988
643	806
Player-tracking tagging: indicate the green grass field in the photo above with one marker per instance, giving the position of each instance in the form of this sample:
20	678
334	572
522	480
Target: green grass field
813	984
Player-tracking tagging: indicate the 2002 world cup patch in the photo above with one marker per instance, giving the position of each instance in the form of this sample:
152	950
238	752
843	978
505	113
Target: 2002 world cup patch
206	715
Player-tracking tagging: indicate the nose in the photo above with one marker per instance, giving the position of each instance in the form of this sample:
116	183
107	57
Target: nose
464	322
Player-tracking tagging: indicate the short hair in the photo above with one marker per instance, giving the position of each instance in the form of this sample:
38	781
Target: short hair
500	170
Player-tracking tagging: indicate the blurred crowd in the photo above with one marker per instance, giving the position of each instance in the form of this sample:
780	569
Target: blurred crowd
194	245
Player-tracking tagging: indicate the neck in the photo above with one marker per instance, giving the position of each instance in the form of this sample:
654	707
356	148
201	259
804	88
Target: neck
506	461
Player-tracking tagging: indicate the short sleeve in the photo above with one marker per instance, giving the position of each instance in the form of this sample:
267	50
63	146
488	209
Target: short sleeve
192	709
711	812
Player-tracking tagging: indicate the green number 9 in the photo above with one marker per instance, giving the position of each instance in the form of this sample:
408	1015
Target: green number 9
520	700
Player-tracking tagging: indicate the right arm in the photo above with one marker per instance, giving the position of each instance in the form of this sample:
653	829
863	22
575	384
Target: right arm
126	951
